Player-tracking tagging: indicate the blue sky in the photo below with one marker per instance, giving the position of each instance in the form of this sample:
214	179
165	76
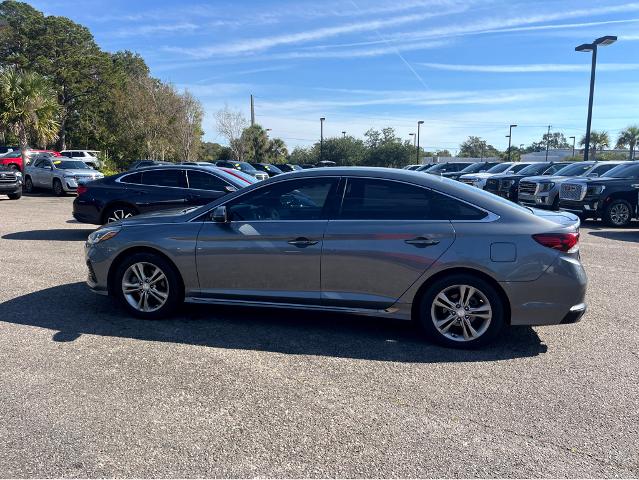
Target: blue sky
465	67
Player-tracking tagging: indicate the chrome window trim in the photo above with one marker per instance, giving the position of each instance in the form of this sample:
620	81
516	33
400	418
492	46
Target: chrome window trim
490	216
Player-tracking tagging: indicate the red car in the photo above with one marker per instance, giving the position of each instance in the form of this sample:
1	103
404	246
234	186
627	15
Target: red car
13	160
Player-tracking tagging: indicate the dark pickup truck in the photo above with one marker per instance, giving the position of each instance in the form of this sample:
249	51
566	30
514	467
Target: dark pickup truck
507	184
612	198
10	183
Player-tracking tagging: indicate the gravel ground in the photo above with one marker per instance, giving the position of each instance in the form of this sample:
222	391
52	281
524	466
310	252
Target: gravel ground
87	392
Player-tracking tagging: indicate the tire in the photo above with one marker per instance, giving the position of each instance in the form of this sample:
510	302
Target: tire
14	196
28	185
454	333
136	274
555	204
118	212
618	214
57	187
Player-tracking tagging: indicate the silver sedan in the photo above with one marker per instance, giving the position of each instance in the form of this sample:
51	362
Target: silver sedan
460	262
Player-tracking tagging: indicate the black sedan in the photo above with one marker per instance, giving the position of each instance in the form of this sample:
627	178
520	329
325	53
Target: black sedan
477	167
149	189
507	184
268	168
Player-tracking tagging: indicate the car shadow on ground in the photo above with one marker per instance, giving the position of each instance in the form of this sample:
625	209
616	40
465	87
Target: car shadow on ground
56	234
621	235
72	310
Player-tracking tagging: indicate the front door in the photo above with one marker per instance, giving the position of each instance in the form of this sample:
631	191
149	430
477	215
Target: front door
270	250
386	235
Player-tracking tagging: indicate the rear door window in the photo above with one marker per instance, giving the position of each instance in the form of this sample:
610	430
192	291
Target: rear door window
164	178
205	181
375	199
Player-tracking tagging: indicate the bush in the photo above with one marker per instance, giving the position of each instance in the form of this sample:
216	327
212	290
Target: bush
107	165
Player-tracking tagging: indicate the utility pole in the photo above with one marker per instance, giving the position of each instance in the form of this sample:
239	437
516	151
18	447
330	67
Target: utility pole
510	135
417	152
252	111
573	146
548	142
321	137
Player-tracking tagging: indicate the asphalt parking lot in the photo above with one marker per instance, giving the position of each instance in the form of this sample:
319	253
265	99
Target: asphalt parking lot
88	392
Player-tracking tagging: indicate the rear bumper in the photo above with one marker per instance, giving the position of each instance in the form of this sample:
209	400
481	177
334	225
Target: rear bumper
86	212
557	297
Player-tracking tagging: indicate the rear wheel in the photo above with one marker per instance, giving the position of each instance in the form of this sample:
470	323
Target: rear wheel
14	196
618	213
57	187
119	212
148	286
461	311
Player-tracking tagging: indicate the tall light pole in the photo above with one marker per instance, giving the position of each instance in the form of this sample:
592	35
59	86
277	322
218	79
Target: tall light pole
510	138
417	151
343	133
548	142
592	47
573	146
321	136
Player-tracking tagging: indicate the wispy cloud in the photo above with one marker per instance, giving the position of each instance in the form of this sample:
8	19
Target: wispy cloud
156	29
531	68
259	44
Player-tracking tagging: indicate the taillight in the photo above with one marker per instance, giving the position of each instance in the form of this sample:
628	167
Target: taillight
82	189
565	242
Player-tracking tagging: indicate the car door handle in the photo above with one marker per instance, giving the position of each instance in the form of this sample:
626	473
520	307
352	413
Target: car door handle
422	242
302	242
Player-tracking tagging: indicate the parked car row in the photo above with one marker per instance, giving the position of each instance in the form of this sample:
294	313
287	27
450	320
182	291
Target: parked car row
606	190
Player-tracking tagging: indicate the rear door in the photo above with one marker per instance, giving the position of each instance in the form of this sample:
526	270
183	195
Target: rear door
386	234
160	189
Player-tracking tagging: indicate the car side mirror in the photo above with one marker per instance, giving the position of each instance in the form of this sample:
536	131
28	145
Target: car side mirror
230	189
220	215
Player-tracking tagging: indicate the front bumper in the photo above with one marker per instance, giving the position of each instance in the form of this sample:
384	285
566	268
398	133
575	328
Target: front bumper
557	297
588	206
10	188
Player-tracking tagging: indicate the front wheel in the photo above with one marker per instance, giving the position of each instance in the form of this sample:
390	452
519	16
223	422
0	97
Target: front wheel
57	187
461	311
618	214
148	286
14	196
28	185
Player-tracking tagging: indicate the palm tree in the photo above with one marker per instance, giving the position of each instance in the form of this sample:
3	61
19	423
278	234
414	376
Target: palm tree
28	108
277	149
598	141
629	137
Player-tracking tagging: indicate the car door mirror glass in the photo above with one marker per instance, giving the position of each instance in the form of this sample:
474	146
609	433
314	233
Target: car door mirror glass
220	215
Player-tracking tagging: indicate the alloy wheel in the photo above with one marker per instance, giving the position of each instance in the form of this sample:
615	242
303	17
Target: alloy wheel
145	287
118	214
619	214
461	313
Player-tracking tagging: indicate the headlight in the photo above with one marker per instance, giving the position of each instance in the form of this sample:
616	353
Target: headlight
18	174
507	183
102	235
546	187
595	190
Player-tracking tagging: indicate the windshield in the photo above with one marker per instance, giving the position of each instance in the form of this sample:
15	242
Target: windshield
574	170
534	169
271	168
499	168
245	167
475	167
624	171
519	167
70	165
436	168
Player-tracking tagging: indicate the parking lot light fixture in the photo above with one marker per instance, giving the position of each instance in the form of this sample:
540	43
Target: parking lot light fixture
592	47
343	133
419	123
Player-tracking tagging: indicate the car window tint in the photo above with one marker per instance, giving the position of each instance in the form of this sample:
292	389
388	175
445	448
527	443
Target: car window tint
205	181
132	178
372	199
294	200
164	178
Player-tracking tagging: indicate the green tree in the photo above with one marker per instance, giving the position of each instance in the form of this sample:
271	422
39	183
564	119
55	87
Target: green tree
598	141
28	108
256	143
277	151
211	152
385	149
476	147
629	137
304	156
552	140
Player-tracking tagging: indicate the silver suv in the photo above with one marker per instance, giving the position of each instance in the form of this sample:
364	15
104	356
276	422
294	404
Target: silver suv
543	192
60	174
460	262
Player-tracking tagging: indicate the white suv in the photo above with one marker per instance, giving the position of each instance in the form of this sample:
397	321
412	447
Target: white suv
90	157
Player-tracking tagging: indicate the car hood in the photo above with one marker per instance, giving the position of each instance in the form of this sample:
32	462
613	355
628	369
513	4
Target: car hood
546	178
479	175
81	172
173	215
564	219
